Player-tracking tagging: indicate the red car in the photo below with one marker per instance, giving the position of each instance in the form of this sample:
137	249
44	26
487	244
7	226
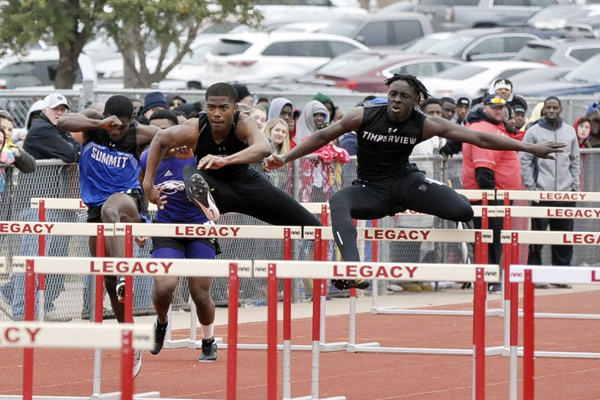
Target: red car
366	70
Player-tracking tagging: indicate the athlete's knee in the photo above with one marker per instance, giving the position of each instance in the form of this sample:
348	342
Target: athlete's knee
202	299
464	211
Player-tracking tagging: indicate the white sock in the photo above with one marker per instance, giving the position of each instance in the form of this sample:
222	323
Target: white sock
207	331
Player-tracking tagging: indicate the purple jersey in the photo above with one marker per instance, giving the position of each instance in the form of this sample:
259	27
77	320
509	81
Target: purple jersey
169	177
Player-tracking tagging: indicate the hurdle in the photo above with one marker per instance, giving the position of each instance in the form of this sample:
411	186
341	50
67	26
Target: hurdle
30	335
512	239
231	269
529	276
480	274
286	234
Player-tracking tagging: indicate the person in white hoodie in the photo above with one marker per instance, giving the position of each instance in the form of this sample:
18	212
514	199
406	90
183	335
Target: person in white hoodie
34	112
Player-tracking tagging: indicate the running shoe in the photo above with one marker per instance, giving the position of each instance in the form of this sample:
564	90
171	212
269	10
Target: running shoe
344	284
199	192
159	336
137	361
121	289
209	350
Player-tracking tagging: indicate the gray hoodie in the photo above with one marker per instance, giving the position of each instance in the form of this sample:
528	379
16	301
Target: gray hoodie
561	174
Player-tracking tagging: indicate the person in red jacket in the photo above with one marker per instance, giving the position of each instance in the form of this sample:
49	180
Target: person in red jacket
490	169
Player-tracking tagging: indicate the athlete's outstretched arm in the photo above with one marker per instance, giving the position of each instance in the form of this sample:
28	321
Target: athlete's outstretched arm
436	126
349	122
176	136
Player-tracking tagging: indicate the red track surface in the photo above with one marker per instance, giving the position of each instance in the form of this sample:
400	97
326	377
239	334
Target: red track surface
176	373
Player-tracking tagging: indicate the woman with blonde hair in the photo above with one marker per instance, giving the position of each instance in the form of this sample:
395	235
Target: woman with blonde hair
277	130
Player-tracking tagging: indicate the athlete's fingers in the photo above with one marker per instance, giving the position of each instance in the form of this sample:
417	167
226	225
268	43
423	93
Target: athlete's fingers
141	241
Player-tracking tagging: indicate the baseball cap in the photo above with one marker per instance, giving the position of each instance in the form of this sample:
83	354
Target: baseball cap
54	100
493	100
463	101
519	109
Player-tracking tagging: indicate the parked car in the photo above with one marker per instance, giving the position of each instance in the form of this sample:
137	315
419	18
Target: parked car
562	53
450	15
475	77
366	70
258	56
381	29
38	68
584	27
582	80
113	68
487	44
531	76
423	43
556	17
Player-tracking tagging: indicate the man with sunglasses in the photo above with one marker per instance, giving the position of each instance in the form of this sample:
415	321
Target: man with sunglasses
489	169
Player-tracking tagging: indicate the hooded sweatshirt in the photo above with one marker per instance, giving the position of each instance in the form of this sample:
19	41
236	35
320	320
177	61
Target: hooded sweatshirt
306	123
561	174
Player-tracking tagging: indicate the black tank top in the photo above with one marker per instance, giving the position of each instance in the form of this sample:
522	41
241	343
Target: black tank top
230	145
384	147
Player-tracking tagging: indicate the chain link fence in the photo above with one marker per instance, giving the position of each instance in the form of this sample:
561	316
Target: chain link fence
68	297
309	180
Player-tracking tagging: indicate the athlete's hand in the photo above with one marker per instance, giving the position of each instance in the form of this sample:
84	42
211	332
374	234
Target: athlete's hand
155	196
547	149
273	162
141	241
212	162
111	122
182	153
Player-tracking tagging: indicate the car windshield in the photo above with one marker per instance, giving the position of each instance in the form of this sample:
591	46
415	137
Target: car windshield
535	53
342	28
452	46
358	62
460	72
587	72
421	45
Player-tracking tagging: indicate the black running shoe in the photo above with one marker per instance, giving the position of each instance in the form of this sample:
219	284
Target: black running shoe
199	192
209	350
159	336
345	284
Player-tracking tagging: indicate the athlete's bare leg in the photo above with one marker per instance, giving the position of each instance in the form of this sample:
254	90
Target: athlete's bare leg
200	292
164	286
118	208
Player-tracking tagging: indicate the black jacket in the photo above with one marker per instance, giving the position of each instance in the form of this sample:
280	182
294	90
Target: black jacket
45	141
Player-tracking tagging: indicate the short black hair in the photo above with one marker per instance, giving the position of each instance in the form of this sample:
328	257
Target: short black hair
222	89
164	114
120	106
552	98
447	100
431	100
412	81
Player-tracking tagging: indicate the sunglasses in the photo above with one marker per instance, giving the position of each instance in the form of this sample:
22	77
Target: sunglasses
497	101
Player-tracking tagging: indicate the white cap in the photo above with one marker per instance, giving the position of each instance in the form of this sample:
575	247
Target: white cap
54	100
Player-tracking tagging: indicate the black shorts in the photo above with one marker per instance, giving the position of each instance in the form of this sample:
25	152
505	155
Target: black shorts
94	214
180	244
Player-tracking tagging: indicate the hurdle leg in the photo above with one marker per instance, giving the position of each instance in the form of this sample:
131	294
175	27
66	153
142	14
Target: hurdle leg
272	333
29	316
479	336
234	287
528	336
127	366
287	338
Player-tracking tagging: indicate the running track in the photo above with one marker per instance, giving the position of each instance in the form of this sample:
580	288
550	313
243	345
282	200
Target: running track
363	376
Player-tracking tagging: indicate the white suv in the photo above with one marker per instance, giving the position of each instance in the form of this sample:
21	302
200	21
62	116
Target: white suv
260	56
